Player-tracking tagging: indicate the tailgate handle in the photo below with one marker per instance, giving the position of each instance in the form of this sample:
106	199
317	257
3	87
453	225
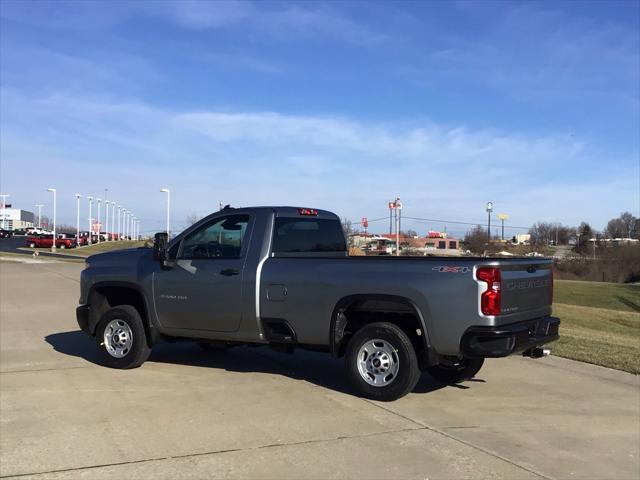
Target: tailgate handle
228	272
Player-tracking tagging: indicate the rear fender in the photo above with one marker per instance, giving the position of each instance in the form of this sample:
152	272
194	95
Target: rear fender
336	327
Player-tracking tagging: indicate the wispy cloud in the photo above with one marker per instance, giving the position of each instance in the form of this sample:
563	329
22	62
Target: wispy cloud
269	157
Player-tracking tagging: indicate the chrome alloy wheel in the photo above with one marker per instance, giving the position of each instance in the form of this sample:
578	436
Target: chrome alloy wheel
118	338
378	363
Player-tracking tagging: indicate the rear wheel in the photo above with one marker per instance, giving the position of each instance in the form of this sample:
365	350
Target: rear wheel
381	362
456	371
63	246
121	338
32	245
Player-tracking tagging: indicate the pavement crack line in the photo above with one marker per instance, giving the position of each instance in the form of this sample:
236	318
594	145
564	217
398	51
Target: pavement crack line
464	442
35	370
216	452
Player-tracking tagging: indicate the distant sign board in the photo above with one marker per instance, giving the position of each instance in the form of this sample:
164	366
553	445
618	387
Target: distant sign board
365	222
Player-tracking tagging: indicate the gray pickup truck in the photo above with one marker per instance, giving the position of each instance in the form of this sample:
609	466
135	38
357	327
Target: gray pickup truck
281	276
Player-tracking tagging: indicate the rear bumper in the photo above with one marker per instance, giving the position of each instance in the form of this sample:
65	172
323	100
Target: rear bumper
82	316
507	339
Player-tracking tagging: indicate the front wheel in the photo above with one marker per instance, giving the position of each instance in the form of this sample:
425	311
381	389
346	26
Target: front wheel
121	338
381	362
456	371
63	246
32	245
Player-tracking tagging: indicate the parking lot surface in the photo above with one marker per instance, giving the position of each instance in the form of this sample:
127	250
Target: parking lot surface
252	412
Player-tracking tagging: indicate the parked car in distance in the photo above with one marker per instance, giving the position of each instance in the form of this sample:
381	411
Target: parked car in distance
21	232
36	231
281	276
6	233
46	241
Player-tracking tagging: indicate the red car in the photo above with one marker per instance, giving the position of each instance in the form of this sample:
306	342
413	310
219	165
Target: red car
46	241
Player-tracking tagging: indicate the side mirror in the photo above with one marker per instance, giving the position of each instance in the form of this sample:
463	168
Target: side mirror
160	241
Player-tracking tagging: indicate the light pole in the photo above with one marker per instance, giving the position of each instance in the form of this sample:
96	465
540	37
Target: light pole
126	221
78	196
39	205
90	239
106	214
99	224
398	210
113	220
503	217
53	190
4	208
168	192
119	232
489	210
106	219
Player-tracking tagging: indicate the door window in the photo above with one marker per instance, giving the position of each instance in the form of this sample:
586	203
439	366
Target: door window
221	238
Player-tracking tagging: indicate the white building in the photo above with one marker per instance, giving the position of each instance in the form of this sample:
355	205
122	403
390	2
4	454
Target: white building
15	218
522	239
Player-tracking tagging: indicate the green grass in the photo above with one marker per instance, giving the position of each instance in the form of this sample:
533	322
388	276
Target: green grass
614	296
600	323
101	248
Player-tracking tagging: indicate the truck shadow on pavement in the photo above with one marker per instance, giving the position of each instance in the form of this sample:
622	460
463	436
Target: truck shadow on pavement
315	367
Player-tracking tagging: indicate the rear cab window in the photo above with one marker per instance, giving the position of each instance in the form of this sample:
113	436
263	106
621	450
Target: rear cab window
296	236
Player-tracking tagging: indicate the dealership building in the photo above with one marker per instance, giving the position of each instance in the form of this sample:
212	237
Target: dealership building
15	218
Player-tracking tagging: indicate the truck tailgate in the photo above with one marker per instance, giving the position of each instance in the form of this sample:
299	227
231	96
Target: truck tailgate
526	286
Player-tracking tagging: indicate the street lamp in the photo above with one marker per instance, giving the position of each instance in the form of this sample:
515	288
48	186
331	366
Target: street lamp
53	190
106	214
113	219
78	196
90	239
119	232
99	225
168	192
503	217
4	208
39	206
489	210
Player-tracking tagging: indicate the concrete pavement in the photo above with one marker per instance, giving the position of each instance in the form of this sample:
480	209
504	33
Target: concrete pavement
251	412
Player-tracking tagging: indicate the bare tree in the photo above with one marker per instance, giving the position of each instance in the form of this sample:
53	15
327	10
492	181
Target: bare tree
347	226
541	233
622	227
192	218
476	239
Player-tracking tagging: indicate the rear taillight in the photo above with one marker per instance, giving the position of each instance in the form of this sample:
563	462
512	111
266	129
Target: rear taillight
490	298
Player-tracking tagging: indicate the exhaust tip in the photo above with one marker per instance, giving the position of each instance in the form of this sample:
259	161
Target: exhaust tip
536	352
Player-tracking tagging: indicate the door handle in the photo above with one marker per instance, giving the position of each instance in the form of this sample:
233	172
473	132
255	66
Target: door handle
228	272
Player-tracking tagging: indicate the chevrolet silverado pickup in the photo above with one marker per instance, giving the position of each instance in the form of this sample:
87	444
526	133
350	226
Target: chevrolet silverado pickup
46	241
281	276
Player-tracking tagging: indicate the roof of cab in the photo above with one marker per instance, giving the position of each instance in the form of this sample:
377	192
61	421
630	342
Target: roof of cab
285	211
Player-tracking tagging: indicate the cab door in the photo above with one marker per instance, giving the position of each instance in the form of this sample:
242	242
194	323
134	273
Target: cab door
203	288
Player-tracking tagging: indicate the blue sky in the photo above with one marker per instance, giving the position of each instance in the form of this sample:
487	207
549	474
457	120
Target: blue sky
535	106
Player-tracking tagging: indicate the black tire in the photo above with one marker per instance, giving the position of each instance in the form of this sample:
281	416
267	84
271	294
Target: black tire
62	246
135	352
407	374
32	245
456	372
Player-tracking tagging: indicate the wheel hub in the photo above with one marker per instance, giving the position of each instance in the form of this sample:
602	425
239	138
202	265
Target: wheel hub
378	363
118	338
